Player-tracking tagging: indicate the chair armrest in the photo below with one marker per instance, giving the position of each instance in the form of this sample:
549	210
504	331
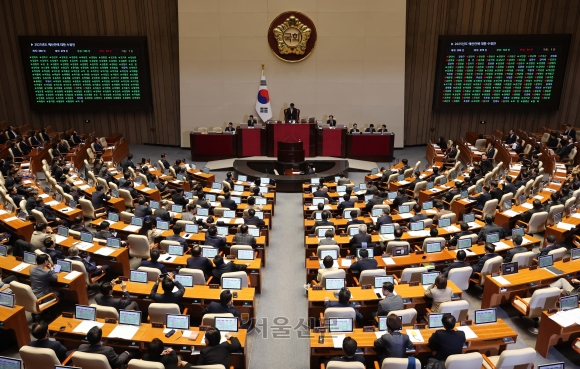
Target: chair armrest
377	365
208	280
356	282
429	311
313	253
314	283
485	358
54	302
321	317
576	241
185	311
417	248
446	203
478	280
68	358
523	302
522	222
479	211
322	366
101	210
249	284
396	279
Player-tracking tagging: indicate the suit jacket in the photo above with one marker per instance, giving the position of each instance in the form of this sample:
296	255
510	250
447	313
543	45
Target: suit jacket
154	264
418	217
162	214
511	139
481	199
399	200
393	345
182	241
141	211
252	122
30	204
54	254
171	297
565	151
490	228
496	193
372	130
385	219
490	153
547	249
201	263
354	130
327	241
291	114
219	354
438	215
179	200
552	142
254	221
389	303
354	222
363	264
230	129
570	133
511	252
226	268
438	296
126	163
90	267
202	203
215	307
245	239
479	266
215	241
509	187
345	205
321	193
99	199
115	361
115	302
331	122
455	264
528	214
230	204
320	223
446	342
372	202
103	235
332	304
359	239
55	346
40	279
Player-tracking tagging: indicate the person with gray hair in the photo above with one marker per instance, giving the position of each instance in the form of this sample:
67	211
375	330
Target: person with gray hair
92	268
362	239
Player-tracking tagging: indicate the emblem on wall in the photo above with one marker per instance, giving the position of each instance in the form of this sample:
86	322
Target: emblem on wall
292	36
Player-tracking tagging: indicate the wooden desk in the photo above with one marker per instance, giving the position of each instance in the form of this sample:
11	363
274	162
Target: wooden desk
495	294
142	338
22	229
271	195
118	260
206	179
73	290
195	298
15	320
551	333
489	340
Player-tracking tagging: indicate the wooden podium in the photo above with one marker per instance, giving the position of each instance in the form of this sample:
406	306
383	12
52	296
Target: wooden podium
290	152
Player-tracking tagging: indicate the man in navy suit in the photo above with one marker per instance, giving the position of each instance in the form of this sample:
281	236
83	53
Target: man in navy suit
570	132
40	332
511	139
213	239
347	203
384	219
364	263
196	261
153	263
331	121
354	219
177	229
343	301
483	198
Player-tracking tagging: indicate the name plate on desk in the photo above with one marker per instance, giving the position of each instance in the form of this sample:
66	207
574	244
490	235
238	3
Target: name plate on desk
67	315
418	326
413	284
368	328
156	325
214	286
533	267
231	257
204	328
566	259
311	235
350	257
316	288
111	320
319	329
419	252
366	287
313	258
465	322
552	311
451	248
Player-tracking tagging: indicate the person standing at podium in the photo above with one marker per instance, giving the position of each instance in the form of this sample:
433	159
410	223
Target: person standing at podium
331	121
291	113
252	121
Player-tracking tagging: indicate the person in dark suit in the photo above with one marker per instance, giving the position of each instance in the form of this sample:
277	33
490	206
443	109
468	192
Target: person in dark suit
48	214
537	208
354	219
354	129
511	138
343	301
168	296
401	198
156	352
178	198
349	346
12	134
15	195
164	161
418	215
383	129
31	201
417	179
44	135
371	129
105	297
99	198
251	219
201	200
485	164
550	246
359	238
213	239
517	240
458	263
62	147
291	113
154	263
162	212
564	152
364	263
23	146
95	347
227	202
375	200
230	127
92	268
347	203
226	305
447	341
495	192
51	251
490	227
221	267
40	332
78	225
324	222
482	198
509	186
553	141
331	122
393	343
103	231
196	261
571	133
489	254
252	121
384	219
127	163
216	352
142	210
491	152
320	192
519	149
75	138
176	237
99	149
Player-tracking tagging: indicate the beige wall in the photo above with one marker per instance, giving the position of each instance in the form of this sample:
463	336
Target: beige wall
356	72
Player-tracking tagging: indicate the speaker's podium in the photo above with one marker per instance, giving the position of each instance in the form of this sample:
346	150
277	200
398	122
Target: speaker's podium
290	152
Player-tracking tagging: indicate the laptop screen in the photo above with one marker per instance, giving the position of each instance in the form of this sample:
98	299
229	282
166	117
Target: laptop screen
174	321
152	204
382	323
391	195
427	205
229	213
226	324
552	366
575	253
387	229
114	242
216	186
431	247
162	225
86	237
417	226
8	363
321	231
315	180
138	276
29	258
485	316
518	232
191	228
175	250
130	317
557	217
85	312
430	185
368	197
232	283
509	268
62	231
444	222
245	254
379	280
332	253
254	232
264	181
222	231
370	251
315	202
237	200
464	243
428	278
468	218
400	250
263	190
209	252
2	250
6	300
137	221
374	170
239	188
336	325
176	208
242	178
261	201
259	214
435	321
185	280
375	212
492	238
568	302
341	188
507	205
65	266
464	194
334	283
353	231
545	261
403	209
202	212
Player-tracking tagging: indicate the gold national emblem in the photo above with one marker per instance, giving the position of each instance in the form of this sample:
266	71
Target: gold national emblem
292	36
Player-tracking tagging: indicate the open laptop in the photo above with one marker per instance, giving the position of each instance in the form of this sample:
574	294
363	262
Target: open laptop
9	363
136	221
547	262
391	196
129	317
371	252
177	321
332	253
138	276
65	266
162	225
184	279
191	228
254	232
334	284
352	231
432	247
314	181
469	218
575	253
6	300
226	324
378	283
427	205
315	202
229	283
229	214
568	302
209	252
113	242
417	226
435	321
176	208
464	243
222	231
245	255
518	232
404	209
261	201
552	366
242	178
509	268
428	278
83	312
29	258
175	250
387	232
3	250
444	222
202	212
485	316
340	325
492	237
153	205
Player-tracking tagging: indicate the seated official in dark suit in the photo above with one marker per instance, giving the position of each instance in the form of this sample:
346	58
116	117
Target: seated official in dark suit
227	202
91	267
178	198
347	203
156	352
446	341
105	297
518	248
418	215
154	263
354	129
142	210
459	261
252	219
226	305
176	237
168	296
394	343
244	238
384	219
343	301
196	261
322	223
364	262
371	128
331	121
401	198
252	121
96	347
213	239
291	113
354	219
216	352
390	302
349	347
482	198
230	127
550	245
490	227
359	239
221	267
40	332
375	200
489	254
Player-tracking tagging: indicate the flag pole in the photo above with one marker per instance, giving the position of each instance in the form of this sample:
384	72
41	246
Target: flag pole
263	69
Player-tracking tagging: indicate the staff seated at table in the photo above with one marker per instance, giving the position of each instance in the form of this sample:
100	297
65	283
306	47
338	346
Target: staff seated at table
40	278
252	219
459	261
518	248
322	223
393	343
91	267
375	200
439	292
105	297
400	199
79	225
153	262
48	248
104	231
490	227
162	213
343	302
167	285
347	203
489	254
385	218
213	239
354	220
364	262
